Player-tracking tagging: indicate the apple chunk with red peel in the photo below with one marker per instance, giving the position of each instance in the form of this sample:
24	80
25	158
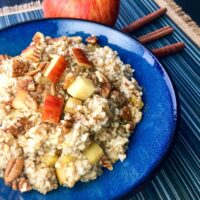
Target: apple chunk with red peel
81	58
81	88
56	68
52	109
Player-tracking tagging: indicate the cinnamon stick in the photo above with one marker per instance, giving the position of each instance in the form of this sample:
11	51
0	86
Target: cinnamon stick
156	34
168	50
144	20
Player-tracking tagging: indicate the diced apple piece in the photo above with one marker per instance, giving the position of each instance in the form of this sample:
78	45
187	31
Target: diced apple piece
81	88
71	105
19	101
56	68
68	80
94	153
81	58
49	159
137	102
61	175
67	159
52	109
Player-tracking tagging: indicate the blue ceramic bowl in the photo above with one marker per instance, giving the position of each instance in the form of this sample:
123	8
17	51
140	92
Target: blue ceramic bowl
153	136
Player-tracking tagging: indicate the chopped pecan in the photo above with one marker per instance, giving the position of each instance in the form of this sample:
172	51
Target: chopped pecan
92	40
68	123
4	57
21	184
105	162
38	37
26	84
7	105
14	185
53	40
13	169
105	84
19	127
31	102
70	77
40	67
19	68
32	53
126	113
24	100
118	97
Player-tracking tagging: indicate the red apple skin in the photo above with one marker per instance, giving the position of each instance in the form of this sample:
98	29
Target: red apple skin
103	11
57	71
52	109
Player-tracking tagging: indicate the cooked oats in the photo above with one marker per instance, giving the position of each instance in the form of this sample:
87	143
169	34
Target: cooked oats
67	109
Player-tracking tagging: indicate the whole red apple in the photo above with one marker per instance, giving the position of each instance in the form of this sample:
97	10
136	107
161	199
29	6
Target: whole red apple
104	11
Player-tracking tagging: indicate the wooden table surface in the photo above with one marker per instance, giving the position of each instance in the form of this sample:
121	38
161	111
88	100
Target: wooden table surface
192	7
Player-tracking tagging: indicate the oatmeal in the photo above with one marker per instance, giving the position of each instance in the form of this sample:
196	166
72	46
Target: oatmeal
67	110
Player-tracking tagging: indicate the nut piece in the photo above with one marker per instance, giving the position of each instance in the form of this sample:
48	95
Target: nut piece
105	84
38	38
126	113
19	68
19	127
23	101
4	57
39	68
105	162
32	53
21	184
26	84
24	185
68	80
92	40
13	169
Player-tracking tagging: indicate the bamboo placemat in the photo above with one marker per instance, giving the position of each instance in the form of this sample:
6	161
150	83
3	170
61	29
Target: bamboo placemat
179	177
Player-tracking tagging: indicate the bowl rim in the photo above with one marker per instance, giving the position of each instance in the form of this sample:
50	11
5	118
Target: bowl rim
173	92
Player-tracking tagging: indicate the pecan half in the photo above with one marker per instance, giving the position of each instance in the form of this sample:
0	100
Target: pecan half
105	84
13	169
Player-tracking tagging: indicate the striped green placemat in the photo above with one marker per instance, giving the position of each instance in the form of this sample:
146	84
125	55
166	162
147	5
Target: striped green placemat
179	178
